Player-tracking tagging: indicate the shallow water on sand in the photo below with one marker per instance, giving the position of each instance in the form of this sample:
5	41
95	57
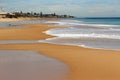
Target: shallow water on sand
29	65
88	33
17	41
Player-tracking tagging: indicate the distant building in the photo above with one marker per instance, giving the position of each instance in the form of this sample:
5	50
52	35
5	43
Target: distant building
3	14
11	15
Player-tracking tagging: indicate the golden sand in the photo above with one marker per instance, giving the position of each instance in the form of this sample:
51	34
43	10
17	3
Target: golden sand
84	63
34	32
17	19
24	19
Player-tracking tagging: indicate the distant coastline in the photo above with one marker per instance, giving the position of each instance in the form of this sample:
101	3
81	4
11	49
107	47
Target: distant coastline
33	15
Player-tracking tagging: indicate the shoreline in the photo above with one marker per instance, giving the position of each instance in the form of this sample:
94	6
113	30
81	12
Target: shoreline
84	63
83	46
27	32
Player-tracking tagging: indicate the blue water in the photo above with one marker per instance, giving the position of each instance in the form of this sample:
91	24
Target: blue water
100	33
110	21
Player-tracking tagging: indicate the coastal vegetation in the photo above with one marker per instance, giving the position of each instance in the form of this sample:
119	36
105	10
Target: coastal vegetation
35	15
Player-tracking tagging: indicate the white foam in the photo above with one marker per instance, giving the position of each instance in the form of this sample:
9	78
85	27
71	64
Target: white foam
92	35
84	46
79	29
80	23
51	40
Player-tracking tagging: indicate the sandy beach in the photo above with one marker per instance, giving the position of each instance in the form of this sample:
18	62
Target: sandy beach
95	64
84	63
17	19
28	32
24	19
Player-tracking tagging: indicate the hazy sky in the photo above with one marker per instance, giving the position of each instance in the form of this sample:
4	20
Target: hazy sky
81	8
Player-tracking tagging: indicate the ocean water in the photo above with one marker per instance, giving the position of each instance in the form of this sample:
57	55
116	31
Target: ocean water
100	33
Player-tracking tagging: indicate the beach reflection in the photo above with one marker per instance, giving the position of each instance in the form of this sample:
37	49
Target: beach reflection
29	65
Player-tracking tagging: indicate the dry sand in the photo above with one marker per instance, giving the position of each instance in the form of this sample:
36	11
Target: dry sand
85	64
34	32
22	19
16	19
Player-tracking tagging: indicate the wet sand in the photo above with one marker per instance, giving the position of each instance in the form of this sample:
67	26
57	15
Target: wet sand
84	63
17	41
29	65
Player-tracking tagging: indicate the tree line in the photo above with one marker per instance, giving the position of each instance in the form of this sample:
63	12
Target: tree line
36	15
